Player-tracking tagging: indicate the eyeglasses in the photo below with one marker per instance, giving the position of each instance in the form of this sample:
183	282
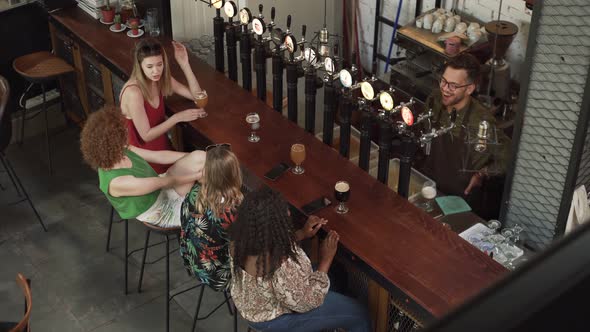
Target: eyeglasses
451	86
225	146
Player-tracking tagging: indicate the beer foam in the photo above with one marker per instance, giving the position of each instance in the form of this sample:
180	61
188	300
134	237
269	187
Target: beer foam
342	187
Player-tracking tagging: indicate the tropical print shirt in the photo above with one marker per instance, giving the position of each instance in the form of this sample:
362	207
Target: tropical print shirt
204	242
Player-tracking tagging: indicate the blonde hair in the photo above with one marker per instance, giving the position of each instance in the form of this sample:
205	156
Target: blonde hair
221	189
146	48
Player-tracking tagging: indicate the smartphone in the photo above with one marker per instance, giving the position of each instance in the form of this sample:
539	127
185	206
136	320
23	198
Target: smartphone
315	205
276	171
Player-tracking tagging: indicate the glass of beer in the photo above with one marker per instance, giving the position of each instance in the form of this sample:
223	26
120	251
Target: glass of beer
298	156
254	120
429	193
201	99
342	193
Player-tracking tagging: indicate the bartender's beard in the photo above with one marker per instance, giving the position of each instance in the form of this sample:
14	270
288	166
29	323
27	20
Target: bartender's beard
450	99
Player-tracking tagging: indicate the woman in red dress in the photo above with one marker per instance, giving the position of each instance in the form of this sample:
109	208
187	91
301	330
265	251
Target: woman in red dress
142	97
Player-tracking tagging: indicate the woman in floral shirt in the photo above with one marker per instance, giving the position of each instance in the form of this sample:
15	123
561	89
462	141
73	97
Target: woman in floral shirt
273	284
206	213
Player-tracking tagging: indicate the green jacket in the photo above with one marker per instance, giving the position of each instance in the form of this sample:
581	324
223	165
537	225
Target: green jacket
496	156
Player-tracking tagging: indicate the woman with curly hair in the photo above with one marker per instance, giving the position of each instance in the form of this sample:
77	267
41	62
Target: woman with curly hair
273	284
142	97
207	212
131	185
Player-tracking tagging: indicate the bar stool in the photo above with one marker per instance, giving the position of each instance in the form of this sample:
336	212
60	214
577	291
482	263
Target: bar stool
232	311
166	232
40	68
127	253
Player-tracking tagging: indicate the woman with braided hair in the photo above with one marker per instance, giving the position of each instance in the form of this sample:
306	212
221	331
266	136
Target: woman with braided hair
273	284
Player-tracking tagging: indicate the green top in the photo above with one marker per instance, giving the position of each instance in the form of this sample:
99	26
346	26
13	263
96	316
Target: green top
129	206
478	113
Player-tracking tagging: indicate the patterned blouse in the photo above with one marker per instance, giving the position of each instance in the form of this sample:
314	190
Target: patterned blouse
204	242
294	287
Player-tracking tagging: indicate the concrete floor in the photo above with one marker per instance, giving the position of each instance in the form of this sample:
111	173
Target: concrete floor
76	285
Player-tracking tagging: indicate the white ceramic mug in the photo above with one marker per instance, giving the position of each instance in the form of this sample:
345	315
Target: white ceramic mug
474	36
449	24
428	20
461	27
437	26
473	26
419	22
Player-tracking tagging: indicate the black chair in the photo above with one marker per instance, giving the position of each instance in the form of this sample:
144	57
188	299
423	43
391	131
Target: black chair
5	134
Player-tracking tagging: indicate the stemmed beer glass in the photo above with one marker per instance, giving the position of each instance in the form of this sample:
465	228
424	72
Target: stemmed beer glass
298	156
254	120
201	100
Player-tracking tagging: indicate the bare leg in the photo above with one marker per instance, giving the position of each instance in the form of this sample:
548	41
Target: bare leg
192	163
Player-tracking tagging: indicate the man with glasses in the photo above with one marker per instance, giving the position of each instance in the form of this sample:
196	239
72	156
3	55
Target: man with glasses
447	161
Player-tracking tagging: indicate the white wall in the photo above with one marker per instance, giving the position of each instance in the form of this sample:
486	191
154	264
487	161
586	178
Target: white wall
485	10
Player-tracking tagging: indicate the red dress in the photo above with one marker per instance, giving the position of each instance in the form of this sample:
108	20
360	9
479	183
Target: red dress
155	117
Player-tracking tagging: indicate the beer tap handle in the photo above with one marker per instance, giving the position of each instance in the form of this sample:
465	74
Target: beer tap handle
260	7
288	23
302	41
272	15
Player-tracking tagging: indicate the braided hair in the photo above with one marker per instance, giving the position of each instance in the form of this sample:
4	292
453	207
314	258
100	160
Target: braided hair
264	229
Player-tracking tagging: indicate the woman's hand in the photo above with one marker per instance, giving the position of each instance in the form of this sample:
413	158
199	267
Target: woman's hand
328	251
311	227
180	53
189	115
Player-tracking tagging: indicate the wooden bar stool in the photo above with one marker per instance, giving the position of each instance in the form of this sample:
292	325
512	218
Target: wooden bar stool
40	68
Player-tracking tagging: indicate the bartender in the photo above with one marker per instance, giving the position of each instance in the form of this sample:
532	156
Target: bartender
446	163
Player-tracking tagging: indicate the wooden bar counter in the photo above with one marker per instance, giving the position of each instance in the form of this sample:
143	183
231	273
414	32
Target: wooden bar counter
408	253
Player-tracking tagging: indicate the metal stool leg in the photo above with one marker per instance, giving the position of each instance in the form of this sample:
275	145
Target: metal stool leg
10	170
198	308
22	124
10	175
229	307
110	228
47	130
145	248
126	254
167	282
235	318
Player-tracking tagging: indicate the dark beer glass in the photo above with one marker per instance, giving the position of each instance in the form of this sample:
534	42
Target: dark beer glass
342	193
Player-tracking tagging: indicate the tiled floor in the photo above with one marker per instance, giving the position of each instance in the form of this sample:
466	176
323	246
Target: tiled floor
77	286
